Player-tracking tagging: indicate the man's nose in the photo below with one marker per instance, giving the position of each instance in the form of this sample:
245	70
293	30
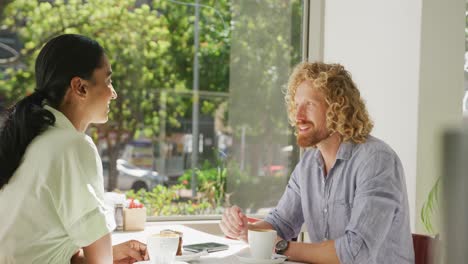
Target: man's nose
300	112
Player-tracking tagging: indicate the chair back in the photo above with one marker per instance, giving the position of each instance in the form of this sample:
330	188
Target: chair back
425	249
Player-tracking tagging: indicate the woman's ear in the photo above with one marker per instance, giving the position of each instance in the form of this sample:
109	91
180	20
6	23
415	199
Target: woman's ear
78	87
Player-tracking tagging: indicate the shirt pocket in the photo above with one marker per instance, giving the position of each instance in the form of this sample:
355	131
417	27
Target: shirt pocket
339	217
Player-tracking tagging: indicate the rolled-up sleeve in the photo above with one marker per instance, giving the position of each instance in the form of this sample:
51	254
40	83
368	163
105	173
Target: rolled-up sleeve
287	218
376	203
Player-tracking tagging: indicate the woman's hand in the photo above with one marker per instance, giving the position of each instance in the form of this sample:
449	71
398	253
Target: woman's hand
129	252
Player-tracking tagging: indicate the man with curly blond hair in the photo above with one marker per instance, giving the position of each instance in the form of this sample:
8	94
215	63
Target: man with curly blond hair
349	187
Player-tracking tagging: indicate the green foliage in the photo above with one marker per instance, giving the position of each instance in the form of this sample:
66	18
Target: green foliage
244	188
211	183
132	36
265	44
164	201
150	48
207	173
431	205
214	184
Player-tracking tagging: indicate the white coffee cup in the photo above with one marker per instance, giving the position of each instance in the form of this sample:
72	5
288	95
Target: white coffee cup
162	248
262	243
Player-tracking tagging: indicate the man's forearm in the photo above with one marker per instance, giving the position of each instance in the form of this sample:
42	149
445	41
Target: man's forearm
317	253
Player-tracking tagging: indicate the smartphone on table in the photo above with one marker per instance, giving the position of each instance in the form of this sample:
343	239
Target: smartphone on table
209	247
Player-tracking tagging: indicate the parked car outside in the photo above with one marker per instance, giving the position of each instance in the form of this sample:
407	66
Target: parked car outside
132	177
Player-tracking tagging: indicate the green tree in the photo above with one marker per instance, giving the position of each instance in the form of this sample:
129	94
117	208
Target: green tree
266	37
150	49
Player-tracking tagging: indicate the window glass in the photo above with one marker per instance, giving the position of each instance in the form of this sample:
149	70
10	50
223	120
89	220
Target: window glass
465	94
228	98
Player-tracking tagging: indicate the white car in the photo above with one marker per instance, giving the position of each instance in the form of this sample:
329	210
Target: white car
132	177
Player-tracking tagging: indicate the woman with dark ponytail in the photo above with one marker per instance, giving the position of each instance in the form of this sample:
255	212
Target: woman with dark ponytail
51	185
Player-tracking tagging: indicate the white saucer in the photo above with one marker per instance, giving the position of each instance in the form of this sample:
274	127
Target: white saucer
189	256
276	259
149	262
186	256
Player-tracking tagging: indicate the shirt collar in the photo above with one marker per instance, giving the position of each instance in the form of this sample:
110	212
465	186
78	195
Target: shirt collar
61	121
345	150
318	157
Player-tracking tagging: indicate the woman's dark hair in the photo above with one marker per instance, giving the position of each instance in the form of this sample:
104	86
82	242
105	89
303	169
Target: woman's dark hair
61	59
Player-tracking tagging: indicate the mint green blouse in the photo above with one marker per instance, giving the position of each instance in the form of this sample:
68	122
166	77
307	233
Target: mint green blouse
53	204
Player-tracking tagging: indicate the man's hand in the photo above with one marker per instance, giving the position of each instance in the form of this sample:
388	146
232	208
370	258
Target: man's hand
234	223
129	252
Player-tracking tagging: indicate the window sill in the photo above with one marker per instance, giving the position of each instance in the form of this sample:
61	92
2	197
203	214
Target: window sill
204	223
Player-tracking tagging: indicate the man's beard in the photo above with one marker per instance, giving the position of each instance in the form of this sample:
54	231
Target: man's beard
312	138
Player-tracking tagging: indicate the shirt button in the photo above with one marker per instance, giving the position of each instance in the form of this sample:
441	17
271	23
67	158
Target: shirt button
325	210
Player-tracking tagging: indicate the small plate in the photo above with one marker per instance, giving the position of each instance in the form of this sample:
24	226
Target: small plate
186	256
149	262
275	259
189	256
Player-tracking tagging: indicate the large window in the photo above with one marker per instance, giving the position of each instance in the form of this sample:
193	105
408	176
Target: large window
200	121
465	94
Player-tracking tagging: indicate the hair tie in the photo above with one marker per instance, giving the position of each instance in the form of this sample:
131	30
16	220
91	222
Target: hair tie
38	96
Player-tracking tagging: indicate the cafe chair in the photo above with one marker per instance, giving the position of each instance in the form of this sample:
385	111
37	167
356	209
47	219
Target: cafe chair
425	249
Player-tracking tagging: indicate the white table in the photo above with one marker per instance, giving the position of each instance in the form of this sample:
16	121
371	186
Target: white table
190	236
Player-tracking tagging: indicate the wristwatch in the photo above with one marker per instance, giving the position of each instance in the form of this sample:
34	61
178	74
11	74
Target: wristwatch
281	246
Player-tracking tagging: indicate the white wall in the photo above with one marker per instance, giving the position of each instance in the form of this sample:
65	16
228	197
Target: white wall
379	42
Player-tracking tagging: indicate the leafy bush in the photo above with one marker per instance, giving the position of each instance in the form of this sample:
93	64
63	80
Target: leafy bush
207	173
164	201
211	182
212	187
